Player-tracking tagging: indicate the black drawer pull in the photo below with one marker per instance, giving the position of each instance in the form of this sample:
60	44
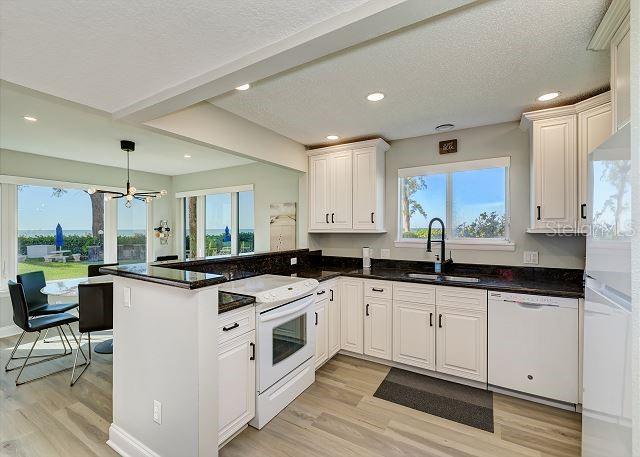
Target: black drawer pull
372	221
430	319
582	208
326	217
253	351
320	292
316	318
367	310
440	320
332	221
331	290
375	289
231	327
539	217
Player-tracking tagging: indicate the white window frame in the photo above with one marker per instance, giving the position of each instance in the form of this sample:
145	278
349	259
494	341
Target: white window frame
493	244
201	195
9	226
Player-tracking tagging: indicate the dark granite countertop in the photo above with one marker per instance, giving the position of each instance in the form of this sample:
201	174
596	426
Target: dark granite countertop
167	276
229	302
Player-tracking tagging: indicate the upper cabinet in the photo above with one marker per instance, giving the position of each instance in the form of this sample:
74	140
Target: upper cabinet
561	139
346	187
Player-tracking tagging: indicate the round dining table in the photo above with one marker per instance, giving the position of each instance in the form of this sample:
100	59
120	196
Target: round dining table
66	291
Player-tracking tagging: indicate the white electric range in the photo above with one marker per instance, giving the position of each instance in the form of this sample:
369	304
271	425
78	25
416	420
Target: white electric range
285	339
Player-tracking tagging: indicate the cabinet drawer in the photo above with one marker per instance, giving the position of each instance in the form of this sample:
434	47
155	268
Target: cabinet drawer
235	323
377	289
414	293
462	297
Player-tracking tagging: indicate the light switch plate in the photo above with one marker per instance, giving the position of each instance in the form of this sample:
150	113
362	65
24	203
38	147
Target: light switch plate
126	297
530	257
157	412
385	253
294	260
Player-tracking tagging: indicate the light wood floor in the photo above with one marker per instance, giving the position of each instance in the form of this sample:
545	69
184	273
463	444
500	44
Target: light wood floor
337	416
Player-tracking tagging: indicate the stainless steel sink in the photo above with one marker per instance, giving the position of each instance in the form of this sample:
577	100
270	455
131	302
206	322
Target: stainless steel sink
460	279
423	276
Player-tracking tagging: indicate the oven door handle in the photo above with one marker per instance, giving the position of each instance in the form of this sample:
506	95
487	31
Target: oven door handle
270	317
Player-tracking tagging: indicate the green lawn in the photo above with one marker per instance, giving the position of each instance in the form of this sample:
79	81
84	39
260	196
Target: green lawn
54	270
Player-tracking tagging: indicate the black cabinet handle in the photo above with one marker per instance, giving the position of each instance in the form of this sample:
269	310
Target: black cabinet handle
331	290
372	221
367	310
321	292
231	327
332	221
253	351
539	213
582	208
430	319
316	318
440	320
326	217
375	289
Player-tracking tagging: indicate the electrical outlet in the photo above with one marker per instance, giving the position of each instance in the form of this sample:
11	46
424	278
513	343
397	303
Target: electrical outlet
385	253
531	257
157	412
127	297
294	260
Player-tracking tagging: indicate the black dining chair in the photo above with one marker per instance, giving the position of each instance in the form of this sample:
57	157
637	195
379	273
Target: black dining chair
96	314
37	302
161	258
94	270
36	324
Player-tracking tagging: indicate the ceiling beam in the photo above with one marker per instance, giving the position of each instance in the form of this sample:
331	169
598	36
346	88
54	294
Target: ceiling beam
370	20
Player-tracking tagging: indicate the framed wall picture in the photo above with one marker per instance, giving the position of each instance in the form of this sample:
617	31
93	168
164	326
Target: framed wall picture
282	226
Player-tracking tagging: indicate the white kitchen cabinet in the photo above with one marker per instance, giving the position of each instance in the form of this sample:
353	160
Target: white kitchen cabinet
378	327
236	384
352	315
414	334
346	187
461	334
594	126
621	75
322	332
333	317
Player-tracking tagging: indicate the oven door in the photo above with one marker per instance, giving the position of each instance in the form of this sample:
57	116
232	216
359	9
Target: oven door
286	339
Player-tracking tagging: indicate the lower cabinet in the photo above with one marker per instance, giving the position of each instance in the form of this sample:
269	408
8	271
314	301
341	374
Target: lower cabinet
414	334
236	385
378	318
352	315
322	332
333	317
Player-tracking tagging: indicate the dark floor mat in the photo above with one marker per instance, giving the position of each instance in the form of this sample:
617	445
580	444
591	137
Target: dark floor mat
464	404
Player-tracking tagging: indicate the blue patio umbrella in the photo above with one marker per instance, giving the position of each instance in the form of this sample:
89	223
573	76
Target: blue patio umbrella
59	237
227	235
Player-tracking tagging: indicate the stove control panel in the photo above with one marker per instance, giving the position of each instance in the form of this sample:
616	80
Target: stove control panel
293	290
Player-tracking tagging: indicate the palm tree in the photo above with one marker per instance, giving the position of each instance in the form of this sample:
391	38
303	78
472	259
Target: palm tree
410	205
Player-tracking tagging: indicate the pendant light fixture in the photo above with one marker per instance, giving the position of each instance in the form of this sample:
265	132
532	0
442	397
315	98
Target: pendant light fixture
131	192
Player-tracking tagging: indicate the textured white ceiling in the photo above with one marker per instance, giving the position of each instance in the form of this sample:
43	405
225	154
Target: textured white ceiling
70	131
480	65
108	54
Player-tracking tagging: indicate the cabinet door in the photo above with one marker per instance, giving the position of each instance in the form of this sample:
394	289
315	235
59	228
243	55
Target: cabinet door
236	385
319	193
378	327
554	173
364	189
322	333
414	334
351	315
461	342
621	76
340	190
333	318
594	126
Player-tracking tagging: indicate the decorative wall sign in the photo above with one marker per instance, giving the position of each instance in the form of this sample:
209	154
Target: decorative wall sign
163	232
282	226
448	146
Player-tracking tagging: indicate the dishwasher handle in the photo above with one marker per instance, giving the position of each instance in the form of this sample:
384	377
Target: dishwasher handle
527	304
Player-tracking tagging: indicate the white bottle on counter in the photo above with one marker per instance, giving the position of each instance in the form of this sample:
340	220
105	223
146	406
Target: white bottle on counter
366	257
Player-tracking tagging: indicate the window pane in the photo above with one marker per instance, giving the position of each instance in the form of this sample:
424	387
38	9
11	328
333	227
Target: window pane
478	205
218	224
422	199
66	252
132	232
245	221
190	228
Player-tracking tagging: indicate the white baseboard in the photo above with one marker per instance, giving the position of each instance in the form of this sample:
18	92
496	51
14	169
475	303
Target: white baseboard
126	445
9	330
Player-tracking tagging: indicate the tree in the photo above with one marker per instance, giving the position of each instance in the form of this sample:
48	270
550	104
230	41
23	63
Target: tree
616	173
486	225
410	205
193	227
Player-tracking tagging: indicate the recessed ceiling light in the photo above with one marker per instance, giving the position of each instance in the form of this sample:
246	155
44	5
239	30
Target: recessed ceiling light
333	137
444	127
30	118
243	87
187	156
549	96
375	97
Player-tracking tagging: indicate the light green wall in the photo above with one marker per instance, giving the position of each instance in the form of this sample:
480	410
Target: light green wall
477	143
272	184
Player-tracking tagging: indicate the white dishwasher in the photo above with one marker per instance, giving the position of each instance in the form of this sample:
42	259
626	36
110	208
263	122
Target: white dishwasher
533	345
